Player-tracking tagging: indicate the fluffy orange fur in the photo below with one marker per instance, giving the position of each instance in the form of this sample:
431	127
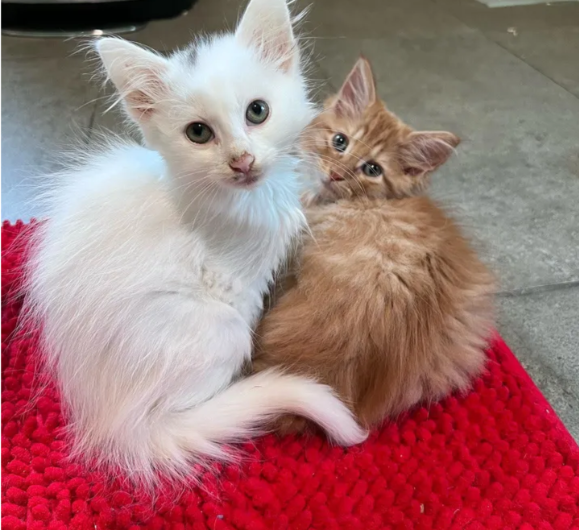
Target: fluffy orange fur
387	302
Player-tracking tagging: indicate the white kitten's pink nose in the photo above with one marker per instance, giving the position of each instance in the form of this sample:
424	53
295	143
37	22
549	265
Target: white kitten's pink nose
242	164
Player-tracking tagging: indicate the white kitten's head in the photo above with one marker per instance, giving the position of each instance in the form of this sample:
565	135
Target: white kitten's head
225	111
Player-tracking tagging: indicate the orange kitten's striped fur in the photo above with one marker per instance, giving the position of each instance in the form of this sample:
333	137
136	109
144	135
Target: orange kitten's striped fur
389	304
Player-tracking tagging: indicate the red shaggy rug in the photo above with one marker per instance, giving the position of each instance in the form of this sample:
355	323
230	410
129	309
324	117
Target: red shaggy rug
498	458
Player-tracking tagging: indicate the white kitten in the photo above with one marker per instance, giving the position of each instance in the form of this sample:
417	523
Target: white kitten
149	274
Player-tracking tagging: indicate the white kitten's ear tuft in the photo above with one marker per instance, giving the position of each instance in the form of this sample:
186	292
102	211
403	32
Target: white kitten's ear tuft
136	73
266	26
358	91
426	151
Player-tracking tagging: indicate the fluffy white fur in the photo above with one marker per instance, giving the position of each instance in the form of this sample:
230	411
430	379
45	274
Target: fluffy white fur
149	273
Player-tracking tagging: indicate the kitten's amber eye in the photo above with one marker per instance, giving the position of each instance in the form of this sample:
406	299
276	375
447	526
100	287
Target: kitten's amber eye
199	133
371	169
340	142
257	112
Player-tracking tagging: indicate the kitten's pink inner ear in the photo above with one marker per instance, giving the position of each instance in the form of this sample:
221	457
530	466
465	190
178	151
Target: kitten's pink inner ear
413	171
267	28
424	152
358	91
137	74
282	51
141	101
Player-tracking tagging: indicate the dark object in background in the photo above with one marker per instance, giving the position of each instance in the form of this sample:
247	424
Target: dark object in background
77	16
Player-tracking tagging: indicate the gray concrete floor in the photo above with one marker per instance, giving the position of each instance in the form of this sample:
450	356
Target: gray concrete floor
505	80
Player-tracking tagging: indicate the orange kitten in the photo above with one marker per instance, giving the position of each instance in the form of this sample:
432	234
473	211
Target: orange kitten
389	305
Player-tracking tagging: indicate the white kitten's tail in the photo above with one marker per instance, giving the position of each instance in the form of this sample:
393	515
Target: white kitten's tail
240	412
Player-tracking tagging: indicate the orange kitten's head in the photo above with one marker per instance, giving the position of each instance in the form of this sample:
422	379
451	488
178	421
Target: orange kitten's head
365	150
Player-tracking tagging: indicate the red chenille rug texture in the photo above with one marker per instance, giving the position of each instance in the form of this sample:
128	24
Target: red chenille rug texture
497	458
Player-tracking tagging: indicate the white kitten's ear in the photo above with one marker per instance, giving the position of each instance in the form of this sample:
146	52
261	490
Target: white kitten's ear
266	26
136	73
426	151
358	91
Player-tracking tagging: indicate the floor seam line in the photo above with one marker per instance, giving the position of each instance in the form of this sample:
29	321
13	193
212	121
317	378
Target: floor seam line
538	289
501	46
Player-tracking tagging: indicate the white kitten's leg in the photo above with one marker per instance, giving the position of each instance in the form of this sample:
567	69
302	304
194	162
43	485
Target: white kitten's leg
156	396
174	354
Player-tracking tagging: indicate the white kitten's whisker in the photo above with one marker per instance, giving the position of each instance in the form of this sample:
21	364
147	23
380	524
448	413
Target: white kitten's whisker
197	198
323	144
337	163
348	171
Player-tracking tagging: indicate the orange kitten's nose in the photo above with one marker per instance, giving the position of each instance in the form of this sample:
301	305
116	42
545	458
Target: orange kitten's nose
335	177
242	164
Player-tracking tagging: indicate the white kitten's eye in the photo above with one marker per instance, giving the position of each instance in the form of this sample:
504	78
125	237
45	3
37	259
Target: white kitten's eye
257	112
340	142
198	132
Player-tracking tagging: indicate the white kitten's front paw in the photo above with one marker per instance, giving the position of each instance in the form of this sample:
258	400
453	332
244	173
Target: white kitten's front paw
221	286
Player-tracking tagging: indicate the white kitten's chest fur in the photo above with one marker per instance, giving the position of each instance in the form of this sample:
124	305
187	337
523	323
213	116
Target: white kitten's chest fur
244	246
226	249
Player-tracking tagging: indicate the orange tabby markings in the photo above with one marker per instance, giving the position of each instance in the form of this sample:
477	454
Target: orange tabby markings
387	303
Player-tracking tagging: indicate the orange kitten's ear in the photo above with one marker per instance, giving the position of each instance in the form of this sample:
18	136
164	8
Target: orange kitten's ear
358	91
426	151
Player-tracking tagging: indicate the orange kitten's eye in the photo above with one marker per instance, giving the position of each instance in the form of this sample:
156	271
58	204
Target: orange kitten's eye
371	169
340	142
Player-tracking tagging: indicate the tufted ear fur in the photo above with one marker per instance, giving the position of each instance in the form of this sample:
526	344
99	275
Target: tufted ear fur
358	91
266	26
425	151
137	74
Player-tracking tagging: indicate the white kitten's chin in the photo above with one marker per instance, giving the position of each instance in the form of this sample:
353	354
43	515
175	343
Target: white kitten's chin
245	182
